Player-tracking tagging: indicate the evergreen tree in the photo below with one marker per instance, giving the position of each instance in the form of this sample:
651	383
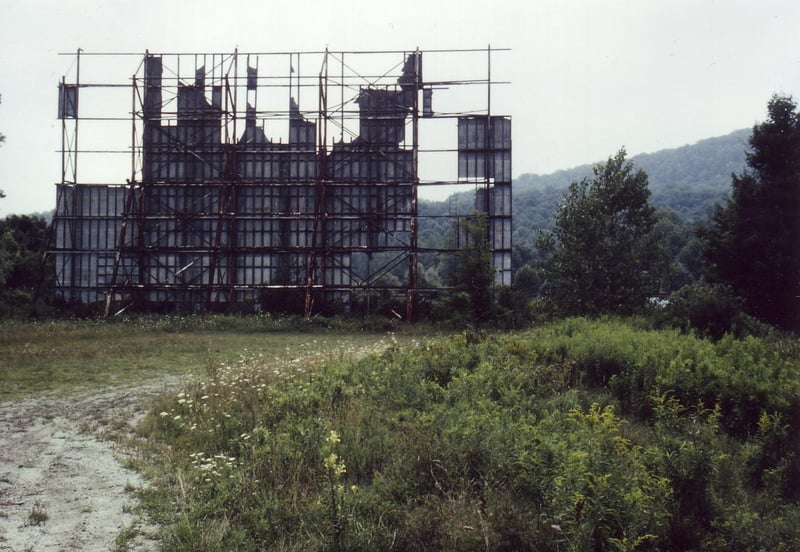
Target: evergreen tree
753	240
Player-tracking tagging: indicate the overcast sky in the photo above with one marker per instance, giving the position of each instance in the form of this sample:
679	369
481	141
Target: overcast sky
587	76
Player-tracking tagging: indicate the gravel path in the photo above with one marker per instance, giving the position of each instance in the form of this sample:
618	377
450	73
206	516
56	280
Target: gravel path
55	464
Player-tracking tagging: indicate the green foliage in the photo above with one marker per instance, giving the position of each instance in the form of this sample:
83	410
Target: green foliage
603	253
688	180
685	181
754	239
680	256
475	273
742	376
578	435
711	310
23	240
61	356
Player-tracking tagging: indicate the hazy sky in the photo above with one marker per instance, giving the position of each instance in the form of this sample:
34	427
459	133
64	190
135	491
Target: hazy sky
588	76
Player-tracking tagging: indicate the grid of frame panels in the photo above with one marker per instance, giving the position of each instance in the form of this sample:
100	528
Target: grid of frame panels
87	228
484	148
219	212
484	155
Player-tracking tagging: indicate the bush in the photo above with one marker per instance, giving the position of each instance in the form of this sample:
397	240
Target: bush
710	310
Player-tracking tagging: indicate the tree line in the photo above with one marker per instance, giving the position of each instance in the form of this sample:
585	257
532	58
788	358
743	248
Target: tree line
609	251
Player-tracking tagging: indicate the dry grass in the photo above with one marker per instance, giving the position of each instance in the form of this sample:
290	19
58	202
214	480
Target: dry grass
68	356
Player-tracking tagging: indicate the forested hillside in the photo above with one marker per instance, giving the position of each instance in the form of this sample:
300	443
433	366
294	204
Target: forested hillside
689	180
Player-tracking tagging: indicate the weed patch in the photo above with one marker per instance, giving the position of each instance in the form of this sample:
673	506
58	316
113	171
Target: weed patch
37	516
597	435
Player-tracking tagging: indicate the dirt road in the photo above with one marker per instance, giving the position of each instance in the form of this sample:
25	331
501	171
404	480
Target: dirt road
63	485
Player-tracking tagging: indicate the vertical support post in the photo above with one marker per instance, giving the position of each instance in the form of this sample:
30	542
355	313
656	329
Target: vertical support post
133	127
341	100
127	206
61	203
489	80
226	197
64	140
72	159
487	156
411	298
77	118
235	92
323	180
488	159
138	198
318	249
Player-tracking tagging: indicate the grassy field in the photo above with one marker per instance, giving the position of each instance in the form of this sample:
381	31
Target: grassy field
577	435
73	356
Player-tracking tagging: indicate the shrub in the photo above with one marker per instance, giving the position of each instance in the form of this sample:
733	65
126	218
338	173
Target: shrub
710	310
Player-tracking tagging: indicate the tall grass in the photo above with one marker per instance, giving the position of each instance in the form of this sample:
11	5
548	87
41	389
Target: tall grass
577	435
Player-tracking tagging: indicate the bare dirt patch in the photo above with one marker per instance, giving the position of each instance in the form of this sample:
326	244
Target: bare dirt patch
63	485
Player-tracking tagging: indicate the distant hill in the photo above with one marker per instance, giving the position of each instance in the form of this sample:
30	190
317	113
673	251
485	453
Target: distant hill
689	180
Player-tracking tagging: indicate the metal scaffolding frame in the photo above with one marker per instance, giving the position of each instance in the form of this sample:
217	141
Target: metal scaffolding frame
215	211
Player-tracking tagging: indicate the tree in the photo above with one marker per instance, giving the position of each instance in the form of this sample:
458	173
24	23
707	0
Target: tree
681	245
475	273
9	253
753	239
23	240
603	253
